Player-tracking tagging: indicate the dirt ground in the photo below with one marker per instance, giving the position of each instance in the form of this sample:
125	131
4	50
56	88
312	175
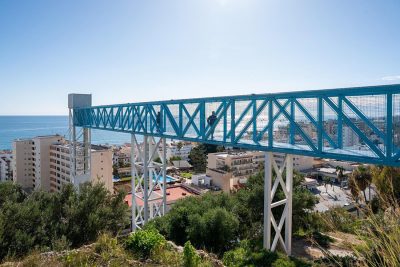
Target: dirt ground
341	246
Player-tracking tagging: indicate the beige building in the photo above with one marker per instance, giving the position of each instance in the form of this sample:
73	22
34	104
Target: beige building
31	162
230	170
43	163
300	163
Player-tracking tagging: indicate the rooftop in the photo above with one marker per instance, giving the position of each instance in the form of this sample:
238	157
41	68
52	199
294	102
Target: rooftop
173	194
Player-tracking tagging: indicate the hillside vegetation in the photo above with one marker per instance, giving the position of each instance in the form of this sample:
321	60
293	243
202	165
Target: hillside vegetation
54	229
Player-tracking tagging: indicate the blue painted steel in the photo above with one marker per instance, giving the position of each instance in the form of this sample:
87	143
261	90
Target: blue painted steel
353	124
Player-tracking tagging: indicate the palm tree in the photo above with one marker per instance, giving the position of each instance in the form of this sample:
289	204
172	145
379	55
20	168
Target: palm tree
179	146
362	178
355	191
340	175
326	181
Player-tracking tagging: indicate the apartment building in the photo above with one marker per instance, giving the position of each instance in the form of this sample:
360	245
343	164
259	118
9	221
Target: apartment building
5	166
31	161
300	163
100	165
230	170
43	163
122	155
178	149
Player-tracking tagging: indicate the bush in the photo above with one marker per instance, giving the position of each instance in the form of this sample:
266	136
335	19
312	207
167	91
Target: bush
340	219
190	257
187	175
234	258
283	263
261	258
145	242
221	228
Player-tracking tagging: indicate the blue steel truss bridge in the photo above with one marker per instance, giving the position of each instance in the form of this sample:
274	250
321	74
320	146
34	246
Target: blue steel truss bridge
353	124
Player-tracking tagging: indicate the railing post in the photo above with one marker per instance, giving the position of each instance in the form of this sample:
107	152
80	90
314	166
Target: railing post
181	119
389	127
320	123
340	122
203	120
233	126
292	122
270	123
254	120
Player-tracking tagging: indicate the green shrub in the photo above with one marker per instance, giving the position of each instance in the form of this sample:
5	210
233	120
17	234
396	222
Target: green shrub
234	258
79	258
261	258
340	219
186	175
283	263
145	242
190	257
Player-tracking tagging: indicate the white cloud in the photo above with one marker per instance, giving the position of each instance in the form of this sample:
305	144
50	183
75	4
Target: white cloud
391	78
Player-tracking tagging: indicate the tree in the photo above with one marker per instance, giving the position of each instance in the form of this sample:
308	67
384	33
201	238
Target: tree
355	191
326	180
387	182
145	242
198	158
174	158
340	175
41	220
190	257
179	146
362	179
115	170
221	228
212	221
11	192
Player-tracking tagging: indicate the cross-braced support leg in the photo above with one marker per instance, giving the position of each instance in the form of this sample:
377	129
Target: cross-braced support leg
285	220
148	180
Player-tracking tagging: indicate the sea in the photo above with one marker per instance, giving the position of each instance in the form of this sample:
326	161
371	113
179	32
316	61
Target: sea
20	127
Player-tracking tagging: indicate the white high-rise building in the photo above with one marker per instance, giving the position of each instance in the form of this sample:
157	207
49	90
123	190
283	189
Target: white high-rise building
178	149
43	163
5	166
229	170
349	137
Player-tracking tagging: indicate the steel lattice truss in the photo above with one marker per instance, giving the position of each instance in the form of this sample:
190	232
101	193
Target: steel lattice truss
284	220
148	181
355	124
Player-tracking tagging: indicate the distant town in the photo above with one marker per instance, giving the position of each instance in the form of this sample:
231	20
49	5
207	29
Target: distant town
43	163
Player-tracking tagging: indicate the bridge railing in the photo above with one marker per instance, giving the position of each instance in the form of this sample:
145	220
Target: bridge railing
356	124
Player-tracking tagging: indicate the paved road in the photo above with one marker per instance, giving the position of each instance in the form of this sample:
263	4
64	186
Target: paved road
334	196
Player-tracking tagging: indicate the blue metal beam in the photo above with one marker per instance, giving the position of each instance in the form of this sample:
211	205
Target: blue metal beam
236	115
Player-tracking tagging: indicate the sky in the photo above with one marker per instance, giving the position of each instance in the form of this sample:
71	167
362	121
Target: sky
132	51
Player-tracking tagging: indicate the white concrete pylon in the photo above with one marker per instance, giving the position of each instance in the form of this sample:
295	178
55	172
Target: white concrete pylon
285	220
148	180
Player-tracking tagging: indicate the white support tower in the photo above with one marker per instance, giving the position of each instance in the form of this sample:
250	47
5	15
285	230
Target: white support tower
80	141
271	224
148	180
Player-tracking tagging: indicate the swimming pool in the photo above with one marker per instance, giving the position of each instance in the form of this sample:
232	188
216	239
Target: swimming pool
168	179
